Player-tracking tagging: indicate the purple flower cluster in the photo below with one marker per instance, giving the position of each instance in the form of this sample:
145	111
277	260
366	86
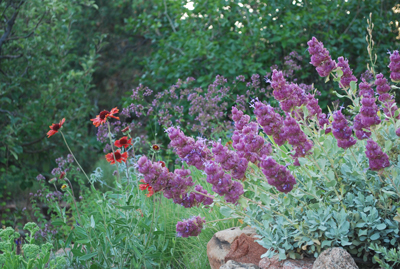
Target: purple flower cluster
297	138
245	138
209	106
320	57
278	175
377	158
175	185
360	128
40	177
366	89
178	190
271	122
230	160
383	88
190	227
315	110
395	66
341	131
56	195
347	76
290	96
222	183
192	152
368	111
48	229
154	174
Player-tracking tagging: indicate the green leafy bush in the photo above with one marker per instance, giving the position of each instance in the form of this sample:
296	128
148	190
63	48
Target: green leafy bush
16	254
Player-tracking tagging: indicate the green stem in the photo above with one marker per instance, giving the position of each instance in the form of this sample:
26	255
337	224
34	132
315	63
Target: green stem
65	141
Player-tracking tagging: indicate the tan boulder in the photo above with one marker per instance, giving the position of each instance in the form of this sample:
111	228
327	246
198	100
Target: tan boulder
333	258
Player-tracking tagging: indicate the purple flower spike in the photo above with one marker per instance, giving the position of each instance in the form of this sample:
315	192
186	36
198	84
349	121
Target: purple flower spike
366	89
395	66
320	57
290	96
155	174
369	111
190	227
222	183
271	122
193	152
245	138
297	138
347	73
377	158
341	131
230	160
359	127
383	88
278	175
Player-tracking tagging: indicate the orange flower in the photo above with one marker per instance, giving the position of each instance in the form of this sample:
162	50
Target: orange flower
143	187
102	117
123	142
118	157
55	127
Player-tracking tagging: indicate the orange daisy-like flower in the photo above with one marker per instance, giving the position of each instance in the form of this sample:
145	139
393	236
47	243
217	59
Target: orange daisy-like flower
118	157
123	142
55	127
143	187
102	117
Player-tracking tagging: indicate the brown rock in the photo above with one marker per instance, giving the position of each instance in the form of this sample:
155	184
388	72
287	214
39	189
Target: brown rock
334	258
274	263
220	244
237	265
245	250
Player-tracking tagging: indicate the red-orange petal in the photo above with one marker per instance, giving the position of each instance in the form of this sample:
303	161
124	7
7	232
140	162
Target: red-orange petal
51	132
114	111
110	158
117	144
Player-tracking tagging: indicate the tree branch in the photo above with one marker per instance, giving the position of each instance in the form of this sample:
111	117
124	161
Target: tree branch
34	141
5	111
31	33
169	19
10	24
37	151
10	56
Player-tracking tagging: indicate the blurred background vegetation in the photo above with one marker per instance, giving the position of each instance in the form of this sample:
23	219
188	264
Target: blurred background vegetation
71	59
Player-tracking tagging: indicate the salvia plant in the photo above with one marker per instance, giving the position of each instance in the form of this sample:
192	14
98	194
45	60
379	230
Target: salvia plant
306	180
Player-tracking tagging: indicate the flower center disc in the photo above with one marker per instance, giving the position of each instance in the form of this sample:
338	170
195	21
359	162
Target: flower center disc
103	114
56	127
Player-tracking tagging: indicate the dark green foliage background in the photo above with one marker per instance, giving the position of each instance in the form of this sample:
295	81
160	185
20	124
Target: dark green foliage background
84	56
